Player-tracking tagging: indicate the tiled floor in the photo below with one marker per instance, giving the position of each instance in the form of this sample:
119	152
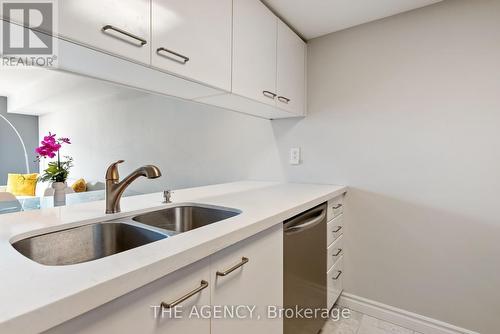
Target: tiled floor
359	323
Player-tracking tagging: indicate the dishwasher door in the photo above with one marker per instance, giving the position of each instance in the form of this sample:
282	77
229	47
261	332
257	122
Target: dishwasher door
305	255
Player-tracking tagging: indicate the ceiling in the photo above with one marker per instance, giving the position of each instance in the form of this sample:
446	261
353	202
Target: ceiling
314	18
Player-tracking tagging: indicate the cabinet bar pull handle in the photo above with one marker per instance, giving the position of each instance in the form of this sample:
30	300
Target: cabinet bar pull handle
230	270
338	252
338	206
283	99
338	229
338	275
204	285
123	32
269	94
183	60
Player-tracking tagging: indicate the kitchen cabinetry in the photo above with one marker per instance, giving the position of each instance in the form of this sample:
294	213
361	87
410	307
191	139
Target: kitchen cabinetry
120	27
234	54
268	58
268	65
335	247
254	51
257	283
334	283
291	76
137	311
192	38
223	279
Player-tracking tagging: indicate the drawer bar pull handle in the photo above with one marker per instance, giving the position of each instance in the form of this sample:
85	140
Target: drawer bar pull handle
338	275
269	94
183	58
338	252
338	206
244	260
283	99
123	32
338	229
204	285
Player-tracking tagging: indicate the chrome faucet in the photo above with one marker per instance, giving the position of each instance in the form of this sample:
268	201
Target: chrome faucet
115	187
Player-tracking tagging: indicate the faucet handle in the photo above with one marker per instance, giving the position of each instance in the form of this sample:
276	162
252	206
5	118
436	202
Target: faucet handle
112	172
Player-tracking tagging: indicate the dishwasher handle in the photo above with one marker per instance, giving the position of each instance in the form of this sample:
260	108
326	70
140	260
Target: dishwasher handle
319	214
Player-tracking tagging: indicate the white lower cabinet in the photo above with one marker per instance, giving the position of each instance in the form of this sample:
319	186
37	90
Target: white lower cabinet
334	229
135	312
335	207
334	282
256	284
211	294
335	249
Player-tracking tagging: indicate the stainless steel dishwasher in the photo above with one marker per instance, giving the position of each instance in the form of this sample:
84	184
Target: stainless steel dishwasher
305	268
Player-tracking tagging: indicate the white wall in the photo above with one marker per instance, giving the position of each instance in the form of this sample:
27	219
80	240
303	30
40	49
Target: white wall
406	111
192	144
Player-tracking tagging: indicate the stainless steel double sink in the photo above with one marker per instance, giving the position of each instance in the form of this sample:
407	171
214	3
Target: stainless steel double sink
94	241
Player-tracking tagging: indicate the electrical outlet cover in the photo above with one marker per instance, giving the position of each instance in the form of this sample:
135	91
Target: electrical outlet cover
295	156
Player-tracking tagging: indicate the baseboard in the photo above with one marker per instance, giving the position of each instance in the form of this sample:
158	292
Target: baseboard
399	317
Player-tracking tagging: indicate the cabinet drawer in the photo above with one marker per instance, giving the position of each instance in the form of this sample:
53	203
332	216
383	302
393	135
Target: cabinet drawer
335	207
335	251
334	282
334	229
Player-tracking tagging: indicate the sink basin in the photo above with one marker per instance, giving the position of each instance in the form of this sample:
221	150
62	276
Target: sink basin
85	243
95	241
185	217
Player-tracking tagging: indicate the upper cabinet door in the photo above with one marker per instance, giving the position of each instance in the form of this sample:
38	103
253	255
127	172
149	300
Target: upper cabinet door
192	38
254	51
291	71
121	27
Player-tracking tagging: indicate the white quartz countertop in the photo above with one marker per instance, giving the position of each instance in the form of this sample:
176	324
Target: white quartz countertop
35	297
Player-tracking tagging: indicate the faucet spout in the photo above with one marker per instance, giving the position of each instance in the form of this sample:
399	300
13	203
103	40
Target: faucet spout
115	187
149	171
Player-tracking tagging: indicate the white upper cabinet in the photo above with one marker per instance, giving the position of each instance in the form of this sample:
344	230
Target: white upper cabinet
254	51
291	71
235	54
192	38
120	27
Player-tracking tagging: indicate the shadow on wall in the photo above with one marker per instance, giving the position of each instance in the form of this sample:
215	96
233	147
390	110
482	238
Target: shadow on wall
448	253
